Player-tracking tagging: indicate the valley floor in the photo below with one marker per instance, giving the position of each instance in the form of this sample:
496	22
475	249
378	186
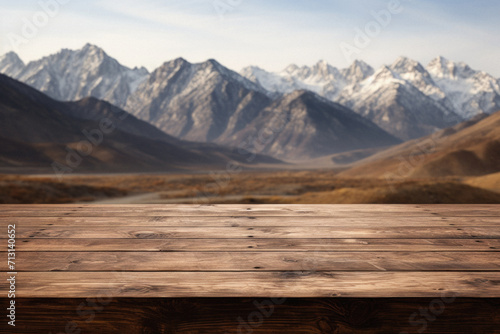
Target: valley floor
285	187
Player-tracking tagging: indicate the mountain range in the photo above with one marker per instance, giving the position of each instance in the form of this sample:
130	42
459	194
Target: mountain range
298	113
37	131
405	98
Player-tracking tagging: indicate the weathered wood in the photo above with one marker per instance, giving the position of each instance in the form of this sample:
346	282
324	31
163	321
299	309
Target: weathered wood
253	245
249	221
165	252
378	232
297	284
257	261
177	210
260	316
279	207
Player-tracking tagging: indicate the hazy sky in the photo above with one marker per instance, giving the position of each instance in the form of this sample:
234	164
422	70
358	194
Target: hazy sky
267	33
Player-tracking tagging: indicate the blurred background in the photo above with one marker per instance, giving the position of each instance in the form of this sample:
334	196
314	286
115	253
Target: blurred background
237	101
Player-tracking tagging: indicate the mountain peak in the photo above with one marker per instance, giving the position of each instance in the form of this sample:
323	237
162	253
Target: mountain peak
322	62
404	65
402	60
323	69
291	69
440	60
442	67
180	60
174	63
439	64
358	70
11	64
11	57
213	63
383	74
91	48
360	64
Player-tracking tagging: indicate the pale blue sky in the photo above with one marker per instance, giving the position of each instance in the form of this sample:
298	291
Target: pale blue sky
267	33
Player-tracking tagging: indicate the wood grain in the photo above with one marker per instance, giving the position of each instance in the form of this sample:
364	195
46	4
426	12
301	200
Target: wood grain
377	232
179	210
248	221
254	245
169	251
256	261
298	284
260	316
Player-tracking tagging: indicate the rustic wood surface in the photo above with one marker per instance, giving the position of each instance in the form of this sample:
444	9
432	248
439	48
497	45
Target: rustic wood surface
395	251
262	316
339	269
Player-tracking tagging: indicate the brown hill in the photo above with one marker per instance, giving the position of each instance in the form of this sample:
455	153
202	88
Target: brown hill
405	193
93	136
489	182
471	148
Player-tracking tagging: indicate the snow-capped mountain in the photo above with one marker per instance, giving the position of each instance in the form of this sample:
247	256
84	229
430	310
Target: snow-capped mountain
72	75
414	73
402	99
197	102
396	105
209	103
429	98
471	92
304	125
11	63
321	78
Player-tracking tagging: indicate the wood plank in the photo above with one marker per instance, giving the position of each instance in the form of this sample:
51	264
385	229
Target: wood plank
257	261
255	213
248	221
253	245
286	207
260	210
259	316
380	232
256	284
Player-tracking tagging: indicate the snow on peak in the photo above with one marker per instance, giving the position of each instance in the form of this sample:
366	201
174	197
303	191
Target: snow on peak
357	72
361	66
11	64
291	69
439	62
75	74
406	65
11	57
91	48
384	74
322	68
444	68
471	92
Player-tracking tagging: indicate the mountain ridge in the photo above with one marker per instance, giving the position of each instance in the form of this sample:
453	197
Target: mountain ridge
210	103
93	135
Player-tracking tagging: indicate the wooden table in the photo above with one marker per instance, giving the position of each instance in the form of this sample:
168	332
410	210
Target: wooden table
255	268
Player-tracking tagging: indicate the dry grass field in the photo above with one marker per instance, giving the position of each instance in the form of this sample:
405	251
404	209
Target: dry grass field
287	187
